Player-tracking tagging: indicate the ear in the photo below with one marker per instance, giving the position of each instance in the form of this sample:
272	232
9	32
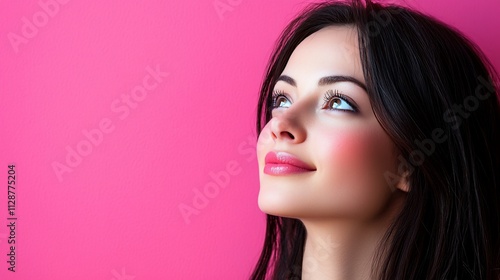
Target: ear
403	183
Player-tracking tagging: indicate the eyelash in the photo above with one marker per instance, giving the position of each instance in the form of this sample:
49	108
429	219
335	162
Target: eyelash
330	94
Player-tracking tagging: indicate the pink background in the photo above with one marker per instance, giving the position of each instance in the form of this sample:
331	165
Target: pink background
116	214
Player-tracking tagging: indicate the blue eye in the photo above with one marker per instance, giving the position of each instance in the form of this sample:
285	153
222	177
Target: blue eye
279	100
338	101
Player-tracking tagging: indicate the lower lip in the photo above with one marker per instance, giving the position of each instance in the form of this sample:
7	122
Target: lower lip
283	169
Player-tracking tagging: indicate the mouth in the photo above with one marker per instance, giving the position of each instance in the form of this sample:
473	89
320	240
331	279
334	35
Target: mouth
283	163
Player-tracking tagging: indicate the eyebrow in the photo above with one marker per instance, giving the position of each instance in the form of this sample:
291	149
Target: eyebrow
328	80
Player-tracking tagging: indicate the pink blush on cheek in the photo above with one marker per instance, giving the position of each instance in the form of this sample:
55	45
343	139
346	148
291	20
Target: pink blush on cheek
352	165
348	145
353	152
265	135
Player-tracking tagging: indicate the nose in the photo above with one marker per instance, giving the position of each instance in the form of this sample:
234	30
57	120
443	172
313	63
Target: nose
285	126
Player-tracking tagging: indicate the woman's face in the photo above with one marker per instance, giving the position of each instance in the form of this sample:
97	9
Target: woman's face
337	136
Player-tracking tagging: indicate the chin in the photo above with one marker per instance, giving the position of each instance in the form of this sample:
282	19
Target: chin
270	205
278	206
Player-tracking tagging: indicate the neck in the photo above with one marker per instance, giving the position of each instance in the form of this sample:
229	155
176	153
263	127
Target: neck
341	249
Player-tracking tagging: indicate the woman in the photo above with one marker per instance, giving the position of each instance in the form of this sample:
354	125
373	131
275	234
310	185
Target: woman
378	149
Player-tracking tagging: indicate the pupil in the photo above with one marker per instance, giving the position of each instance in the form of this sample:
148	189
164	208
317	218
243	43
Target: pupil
336	103
281	101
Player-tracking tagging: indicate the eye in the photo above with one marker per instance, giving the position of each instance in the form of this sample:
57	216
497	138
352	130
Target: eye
279	99
334	100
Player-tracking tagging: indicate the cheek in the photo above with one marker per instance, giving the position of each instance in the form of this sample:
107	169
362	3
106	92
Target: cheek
264	142
349	150
265	135
353	163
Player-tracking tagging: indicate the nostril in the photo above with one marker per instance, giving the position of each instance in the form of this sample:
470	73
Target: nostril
289	134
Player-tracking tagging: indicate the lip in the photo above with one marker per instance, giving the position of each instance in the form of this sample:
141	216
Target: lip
283	163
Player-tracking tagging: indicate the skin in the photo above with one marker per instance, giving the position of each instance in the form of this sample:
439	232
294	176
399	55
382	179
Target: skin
346	204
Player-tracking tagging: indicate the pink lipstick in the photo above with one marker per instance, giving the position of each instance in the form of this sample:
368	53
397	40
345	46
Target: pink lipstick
282	163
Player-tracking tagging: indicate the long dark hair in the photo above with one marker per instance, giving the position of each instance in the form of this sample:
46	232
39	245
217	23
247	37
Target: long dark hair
436	95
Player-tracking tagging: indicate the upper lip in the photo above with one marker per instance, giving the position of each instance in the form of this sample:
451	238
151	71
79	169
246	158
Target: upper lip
280	157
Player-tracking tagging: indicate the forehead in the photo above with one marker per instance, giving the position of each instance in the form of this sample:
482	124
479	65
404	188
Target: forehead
332	50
